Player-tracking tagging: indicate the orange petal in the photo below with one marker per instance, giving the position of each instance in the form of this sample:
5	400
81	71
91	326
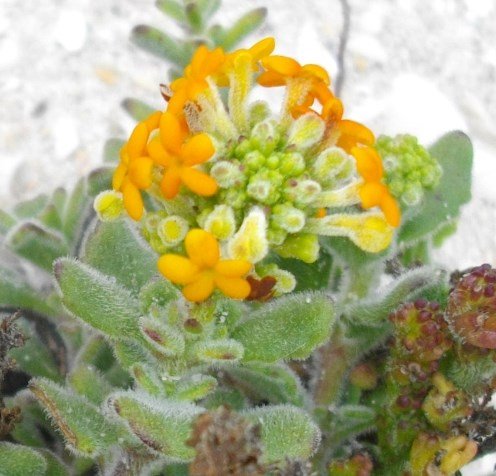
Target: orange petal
332	110
172	133
171	182
197	150
153	120
371	194
391	209
263	48
137	141
202	248
178	84
213	62
368	163
177	101
140	172
198	182
318	72
118	177
283	65
198	60
322	92
235	288
233	268
353	133
177	269
199	290
270	79
157	152
133	203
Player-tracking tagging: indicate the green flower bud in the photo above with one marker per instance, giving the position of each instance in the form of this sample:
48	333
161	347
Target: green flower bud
254	160
303	192
265	137
226	174
332	165
250	242
172	230
276	235
292	164
258	112
108	205
304	246
288	218
221	222
306	131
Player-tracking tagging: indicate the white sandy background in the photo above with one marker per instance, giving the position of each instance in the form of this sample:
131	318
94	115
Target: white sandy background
417	66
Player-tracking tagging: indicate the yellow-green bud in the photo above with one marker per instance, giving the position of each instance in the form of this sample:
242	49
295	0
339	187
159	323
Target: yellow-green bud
258	112
292	164
304	246
306	131
303	192
250	242
221	222
226	174
172	230
288	218
332	165
254	160
108	205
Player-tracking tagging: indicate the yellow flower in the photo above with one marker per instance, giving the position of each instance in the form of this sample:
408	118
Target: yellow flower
194	82
134	172
203	270
374	193
178	155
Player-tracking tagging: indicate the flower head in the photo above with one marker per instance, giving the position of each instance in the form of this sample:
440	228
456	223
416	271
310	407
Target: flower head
203	270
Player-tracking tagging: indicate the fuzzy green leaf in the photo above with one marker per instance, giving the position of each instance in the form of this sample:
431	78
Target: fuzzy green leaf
18	460
31	208
98	180
6	222
156	295
286	432
194	16
85	429
55	467
218	351
289	328
116	250
454	153
173	9
272	383
86	380
195	387
111	150
349	421
97	300
137	109
162	337
76	210
208	7
245	25
37	244
162	425
159	44
128	353
50	217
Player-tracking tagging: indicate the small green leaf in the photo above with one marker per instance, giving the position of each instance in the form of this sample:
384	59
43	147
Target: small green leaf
128	353
440	206
111	150
162	425
289	328
116	250
76	210
55	467
6	222
147	378
208	8
272	383
159	44
37	244
31	208
156	295
195	387
98	180
18	460
194	16
162	337
50	217
219	351
137	109
173	9
87	381
97	300
287	432
245	25
85	429
348	421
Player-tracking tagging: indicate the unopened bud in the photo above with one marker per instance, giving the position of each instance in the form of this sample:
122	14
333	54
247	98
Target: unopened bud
108	205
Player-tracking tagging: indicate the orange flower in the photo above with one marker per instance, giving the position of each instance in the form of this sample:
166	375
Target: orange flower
134	172
374	193
351	134
178	155
194	82
203	270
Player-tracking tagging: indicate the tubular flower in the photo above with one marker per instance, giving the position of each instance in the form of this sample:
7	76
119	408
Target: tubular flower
178	155
373	192
134	172
259	183
203	270
194	82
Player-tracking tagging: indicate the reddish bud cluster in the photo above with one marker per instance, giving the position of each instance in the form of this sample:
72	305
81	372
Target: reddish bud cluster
472	307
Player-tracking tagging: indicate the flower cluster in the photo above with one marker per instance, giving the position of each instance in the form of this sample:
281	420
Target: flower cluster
255	183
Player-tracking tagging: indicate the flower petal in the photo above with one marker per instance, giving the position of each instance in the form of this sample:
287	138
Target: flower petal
368	163
157	152
201	289
153	120
171	182
197	150
371	194
263	48
318	72
118	177
198	182
137	142
202	248
235	288
172	133
352	133
140	172
391	209
233	268
270	79
282	64
133	203
177	269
